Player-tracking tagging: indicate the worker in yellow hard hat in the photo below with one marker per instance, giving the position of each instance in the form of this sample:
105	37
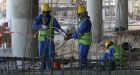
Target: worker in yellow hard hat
45	8
45	23
114	52
81	9
83	34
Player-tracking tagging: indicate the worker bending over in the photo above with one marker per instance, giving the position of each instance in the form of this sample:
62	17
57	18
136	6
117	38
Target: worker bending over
113	56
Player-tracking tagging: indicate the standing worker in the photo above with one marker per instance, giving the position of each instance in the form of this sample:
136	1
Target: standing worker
114	56
46	24
83	34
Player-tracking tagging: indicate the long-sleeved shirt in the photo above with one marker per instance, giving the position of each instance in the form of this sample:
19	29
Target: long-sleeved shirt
84	27
109	55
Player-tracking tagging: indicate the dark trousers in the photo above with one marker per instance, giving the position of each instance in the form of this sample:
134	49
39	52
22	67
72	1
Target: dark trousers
109	66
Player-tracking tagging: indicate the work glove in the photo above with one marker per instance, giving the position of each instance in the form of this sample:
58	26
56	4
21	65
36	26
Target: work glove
68	36
44	27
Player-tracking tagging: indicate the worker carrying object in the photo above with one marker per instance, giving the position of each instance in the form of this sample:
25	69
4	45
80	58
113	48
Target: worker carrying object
115	55
46	25
83	34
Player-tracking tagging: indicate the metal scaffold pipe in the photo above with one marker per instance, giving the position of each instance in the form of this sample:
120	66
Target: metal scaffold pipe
94	8
122	13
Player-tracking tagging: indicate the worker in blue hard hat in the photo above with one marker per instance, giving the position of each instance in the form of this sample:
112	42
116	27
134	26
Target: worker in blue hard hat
83	34
46	24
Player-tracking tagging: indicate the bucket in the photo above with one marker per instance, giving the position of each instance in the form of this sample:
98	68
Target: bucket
57	65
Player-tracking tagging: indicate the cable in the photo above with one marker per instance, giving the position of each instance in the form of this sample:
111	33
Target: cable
34	36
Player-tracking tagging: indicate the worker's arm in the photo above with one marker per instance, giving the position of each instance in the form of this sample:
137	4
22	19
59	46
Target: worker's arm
109	55
85	27
37	23
104	58
111	52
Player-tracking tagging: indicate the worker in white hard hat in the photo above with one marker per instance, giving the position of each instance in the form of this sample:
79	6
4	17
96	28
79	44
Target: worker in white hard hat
45	23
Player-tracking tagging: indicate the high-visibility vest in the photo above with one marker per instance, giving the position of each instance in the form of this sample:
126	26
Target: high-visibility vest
119	54
47	33
85	38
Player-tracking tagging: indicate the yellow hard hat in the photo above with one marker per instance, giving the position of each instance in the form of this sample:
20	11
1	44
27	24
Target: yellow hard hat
108	43
81	9
45	8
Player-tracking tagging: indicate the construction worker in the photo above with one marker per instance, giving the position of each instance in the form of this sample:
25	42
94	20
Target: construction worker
113	56
83	34
46	24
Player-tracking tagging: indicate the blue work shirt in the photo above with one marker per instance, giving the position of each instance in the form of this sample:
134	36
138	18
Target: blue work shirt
109	55
84	27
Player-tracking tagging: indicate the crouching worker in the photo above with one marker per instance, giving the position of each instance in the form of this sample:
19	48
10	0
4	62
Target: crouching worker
114	56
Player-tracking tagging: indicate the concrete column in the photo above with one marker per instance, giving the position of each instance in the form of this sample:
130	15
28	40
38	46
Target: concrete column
21	13
94	8
122	13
